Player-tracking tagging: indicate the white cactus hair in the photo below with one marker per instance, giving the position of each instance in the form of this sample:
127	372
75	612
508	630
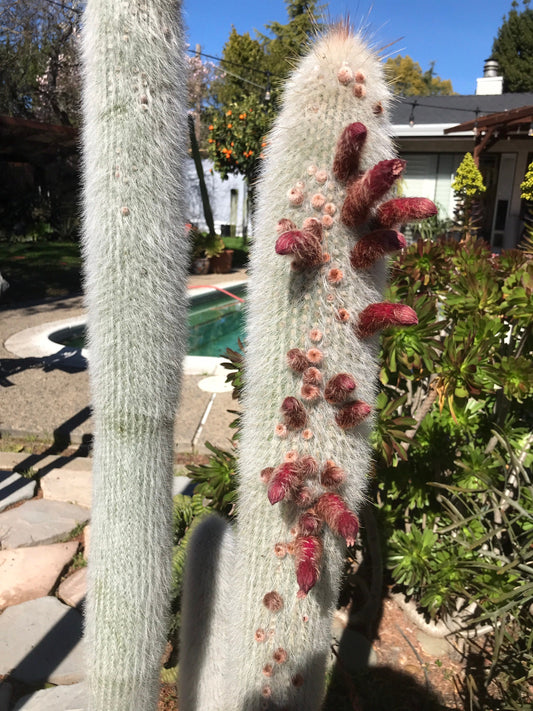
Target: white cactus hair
326	184
136	259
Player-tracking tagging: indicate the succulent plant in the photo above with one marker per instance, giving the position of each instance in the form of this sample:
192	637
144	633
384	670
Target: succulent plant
258	600
135	274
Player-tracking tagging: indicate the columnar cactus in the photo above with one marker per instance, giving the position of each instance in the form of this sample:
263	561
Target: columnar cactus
135	275
326	217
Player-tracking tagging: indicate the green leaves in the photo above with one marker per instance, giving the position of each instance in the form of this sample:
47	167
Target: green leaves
216	481
453	482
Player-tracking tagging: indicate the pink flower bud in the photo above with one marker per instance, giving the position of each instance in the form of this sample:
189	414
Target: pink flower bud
307	466
266	474
309	523
296	197
312	225
273	601
309	392
285	225
318	201
312	376
297	360
314	355
335	276
343	315
345	75
280	656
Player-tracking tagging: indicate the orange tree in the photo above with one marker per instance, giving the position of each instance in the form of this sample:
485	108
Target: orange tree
237	137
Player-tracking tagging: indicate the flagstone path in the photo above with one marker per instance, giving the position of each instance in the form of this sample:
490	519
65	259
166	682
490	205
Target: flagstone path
43	578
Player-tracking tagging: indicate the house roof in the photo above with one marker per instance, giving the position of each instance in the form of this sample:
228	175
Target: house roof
454	109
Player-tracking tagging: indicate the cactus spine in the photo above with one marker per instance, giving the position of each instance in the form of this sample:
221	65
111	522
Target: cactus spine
326	217
135	274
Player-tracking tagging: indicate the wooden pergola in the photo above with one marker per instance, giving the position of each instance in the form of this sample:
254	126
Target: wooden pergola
493	127
28	141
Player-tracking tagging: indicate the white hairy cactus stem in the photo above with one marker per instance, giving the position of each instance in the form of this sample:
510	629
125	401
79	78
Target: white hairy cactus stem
304	452
135	275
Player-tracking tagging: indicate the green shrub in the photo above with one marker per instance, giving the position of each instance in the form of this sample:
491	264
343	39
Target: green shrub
453	438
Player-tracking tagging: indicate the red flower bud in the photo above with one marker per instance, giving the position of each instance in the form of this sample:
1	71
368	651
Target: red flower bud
402	210
375	245
284	481
339	388
294	413
307	555
362	194
348	151
309	524
353	414
384	314
303	246
333	510
297	360
332	475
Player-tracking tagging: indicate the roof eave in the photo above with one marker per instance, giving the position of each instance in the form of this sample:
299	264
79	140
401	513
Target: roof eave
426	130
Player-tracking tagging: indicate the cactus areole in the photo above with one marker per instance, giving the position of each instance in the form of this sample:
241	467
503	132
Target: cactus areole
315	306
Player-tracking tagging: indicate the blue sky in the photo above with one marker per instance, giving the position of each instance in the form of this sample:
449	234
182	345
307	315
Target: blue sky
456	34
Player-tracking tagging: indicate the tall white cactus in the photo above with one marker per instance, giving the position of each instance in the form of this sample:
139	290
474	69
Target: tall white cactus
257	608
134	140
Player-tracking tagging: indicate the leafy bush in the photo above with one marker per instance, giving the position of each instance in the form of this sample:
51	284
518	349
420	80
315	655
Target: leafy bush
453	442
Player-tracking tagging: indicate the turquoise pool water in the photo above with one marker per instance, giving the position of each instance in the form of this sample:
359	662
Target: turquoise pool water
216	322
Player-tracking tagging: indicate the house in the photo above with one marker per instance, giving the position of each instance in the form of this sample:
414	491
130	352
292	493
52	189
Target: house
228	200
434	132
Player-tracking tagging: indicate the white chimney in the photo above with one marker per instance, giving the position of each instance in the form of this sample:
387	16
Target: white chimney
490	82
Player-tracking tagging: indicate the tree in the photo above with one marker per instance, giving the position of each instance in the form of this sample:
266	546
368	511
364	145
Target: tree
39	60
513	48
253	71
468	187
408	79
244	70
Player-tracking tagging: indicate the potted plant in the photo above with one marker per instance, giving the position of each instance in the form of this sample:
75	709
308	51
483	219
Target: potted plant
204	247
221	263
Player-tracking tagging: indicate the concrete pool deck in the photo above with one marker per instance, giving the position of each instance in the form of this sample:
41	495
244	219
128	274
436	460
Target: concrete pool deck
42	398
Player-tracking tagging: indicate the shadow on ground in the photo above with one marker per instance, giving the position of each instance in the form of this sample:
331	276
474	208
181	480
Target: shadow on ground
67	360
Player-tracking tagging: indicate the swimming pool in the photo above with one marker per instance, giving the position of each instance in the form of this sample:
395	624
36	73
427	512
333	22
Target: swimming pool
216	322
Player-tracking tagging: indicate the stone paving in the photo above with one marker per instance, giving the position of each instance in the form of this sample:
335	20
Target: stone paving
42	586
45	502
